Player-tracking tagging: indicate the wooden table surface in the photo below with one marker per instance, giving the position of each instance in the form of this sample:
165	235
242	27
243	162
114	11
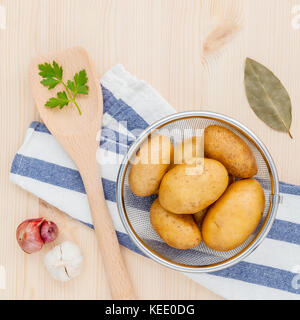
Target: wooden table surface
160	41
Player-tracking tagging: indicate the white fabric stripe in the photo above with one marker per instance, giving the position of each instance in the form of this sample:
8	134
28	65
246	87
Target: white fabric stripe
289	209
285	257
109	170
109	122
77	202
27	137
236	289
44	146
146	100
64	199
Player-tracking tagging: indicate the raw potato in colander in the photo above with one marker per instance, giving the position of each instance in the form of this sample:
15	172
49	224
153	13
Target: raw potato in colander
225	146
151	163
177	230
199	217
183	192
233	218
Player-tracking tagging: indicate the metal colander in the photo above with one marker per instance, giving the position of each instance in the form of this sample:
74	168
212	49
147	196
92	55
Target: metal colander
134	211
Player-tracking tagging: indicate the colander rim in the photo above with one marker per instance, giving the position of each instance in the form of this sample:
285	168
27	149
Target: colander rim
228	262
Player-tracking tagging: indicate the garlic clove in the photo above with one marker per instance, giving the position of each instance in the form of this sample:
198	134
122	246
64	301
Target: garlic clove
72	256
64	261
55	265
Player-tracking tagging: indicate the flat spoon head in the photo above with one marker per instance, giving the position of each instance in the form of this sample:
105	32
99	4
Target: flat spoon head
67	121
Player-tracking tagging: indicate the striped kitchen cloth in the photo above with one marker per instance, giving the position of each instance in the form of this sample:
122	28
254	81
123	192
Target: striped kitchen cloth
43	168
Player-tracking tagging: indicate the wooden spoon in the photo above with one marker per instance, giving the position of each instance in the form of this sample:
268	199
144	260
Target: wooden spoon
77	135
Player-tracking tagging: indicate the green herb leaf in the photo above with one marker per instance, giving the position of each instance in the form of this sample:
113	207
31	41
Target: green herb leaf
58	70
52	76
49	82
78	85
71	85
267	96
61	101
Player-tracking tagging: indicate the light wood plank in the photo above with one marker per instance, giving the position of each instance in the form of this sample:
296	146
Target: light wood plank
160	41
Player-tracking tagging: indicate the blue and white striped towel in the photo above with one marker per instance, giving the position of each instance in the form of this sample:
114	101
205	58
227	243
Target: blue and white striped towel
42	167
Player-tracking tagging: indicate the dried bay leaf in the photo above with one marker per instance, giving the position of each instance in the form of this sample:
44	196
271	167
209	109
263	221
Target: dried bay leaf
267	96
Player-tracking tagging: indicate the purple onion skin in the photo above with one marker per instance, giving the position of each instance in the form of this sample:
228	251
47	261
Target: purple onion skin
49	231
29	236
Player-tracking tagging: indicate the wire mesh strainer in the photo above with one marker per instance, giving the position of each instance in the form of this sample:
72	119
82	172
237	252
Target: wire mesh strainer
134	211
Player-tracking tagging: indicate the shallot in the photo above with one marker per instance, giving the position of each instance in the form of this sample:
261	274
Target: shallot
49	231
33	233
29	235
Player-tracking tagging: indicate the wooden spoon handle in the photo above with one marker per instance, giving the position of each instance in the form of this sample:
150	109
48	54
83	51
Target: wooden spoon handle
118	278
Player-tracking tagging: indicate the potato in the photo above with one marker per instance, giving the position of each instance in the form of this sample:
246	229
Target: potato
225	146
183	191
150	165
231	179
233	218
199	217
178	231
188	150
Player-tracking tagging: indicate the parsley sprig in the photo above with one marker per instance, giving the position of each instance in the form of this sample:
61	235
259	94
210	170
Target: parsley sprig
53	75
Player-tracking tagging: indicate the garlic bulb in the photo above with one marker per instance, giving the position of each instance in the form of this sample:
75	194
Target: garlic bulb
64	261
